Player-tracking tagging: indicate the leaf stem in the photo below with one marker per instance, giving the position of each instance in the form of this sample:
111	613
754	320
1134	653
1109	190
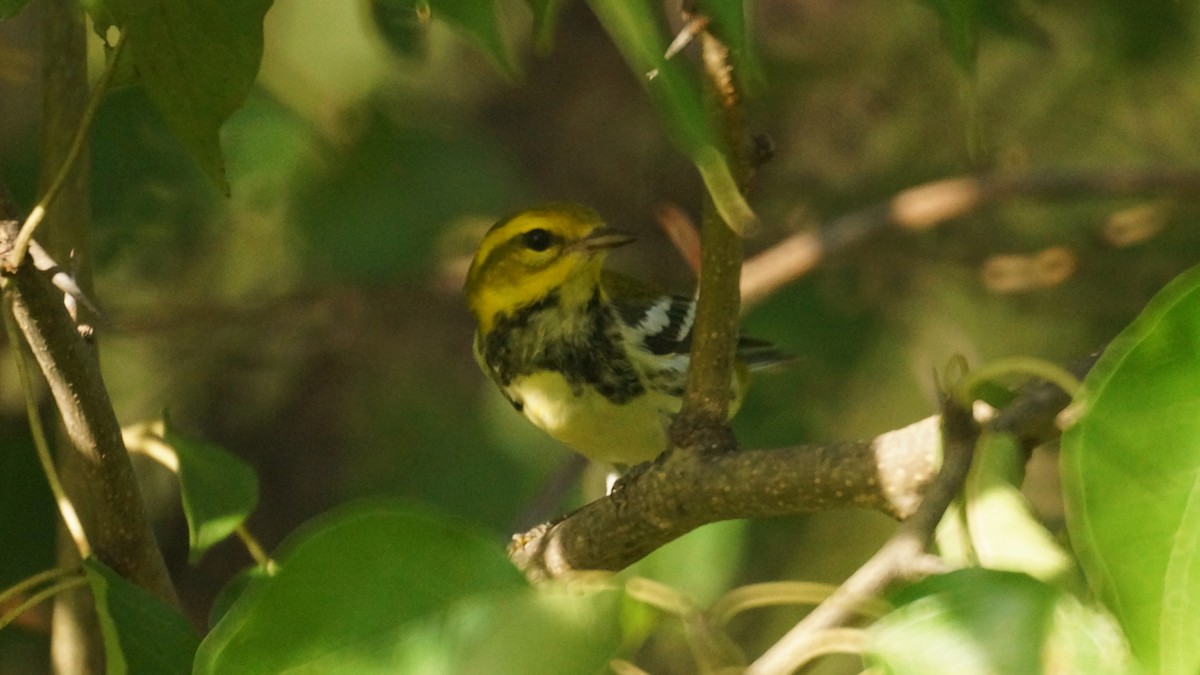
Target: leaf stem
41	596
1040	368
21	245
35	580
255	549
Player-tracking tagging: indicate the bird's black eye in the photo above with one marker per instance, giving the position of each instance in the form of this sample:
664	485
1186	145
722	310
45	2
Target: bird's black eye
537	239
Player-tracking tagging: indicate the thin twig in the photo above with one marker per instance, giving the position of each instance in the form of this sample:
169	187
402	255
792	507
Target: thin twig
40	597
21	244
23	586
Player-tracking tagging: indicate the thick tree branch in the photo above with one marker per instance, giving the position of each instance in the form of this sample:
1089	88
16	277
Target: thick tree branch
117	528
682	491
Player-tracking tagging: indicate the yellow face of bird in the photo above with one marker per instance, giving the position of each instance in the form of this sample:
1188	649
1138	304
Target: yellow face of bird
525	257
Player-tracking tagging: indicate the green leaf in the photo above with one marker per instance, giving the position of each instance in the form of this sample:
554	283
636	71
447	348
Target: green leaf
556	631
141	634
238	586
726	196
350	586
1005	534
219	491
1131	479
636	31
11	8
984	622
197	60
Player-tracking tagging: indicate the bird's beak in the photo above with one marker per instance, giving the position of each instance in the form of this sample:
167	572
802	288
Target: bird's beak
604	238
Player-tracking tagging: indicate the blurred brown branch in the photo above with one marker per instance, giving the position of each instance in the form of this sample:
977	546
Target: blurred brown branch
932	204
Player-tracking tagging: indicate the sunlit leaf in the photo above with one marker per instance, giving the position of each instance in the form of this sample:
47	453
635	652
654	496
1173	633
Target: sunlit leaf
219	491
523	632
1005	534
985	622
1131	478
197	61
726	196
141	634
351	585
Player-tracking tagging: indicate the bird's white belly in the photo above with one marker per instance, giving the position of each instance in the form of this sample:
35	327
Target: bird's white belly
591	424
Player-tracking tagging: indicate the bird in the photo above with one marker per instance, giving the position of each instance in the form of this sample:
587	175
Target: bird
596	359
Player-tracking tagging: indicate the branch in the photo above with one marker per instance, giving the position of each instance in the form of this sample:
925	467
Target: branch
926	206
681	490
903	556
703	419
120	533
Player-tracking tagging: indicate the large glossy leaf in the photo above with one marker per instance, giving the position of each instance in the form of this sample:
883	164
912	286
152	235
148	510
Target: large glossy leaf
985	622
676	94
1131	479
351	586
141	634
197	60
524	632
219	491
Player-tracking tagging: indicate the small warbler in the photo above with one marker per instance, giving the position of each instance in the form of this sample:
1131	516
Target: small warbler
593	358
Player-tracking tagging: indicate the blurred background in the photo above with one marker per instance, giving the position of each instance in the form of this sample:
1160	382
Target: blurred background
313	322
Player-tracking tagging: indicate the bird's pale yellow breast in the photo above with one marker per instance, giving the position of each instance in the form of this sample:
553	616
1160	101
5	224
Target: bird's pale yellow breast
590	423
